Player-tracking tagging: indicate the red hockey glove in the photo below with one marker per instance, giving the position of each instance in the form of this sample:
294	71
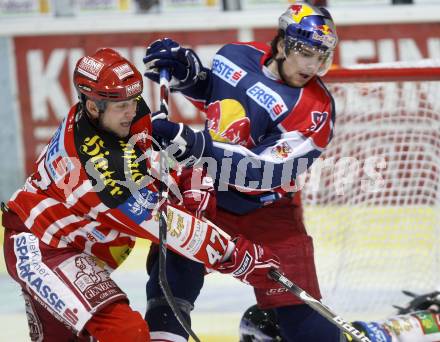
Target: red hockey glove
198	192
250	263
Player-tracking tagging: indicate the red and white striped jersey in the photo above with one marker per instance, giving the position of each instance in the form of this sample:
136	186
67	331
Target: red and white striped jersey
85	189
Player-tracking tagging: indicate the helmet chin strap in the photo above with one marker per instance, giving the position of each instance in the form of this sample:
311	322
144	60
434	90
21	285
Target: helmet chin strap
280	62
96	122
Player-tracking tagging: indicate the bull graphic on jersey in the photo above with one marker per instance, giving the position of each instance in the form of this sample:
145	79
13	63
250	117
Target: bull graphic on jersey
318	120
227	122
281	151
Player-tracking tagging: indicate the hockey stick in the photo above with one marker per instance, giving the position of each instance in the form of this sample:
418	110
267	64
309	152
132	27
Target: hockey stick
163	196
318	306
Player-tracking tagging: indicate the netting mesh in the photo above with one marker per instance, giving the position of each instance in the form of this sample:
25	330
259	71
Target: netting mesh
372	201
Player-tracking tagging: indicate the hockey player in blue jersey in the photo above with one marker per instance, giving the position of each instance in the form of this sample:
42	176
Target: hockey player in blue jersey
269	116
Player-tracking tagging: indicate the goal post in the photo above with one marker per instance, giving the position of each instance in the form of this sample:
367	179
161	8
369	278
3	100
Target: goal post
372	201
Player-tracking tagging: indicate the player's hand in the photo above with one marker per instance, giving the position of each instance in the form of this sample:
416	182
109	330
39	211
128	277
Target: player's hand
184	65
186	145
250	263
198	192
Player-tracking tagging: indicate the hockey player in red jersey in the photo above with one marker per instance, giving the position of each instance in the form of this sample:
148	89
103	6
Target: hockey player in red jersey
269	116
91	194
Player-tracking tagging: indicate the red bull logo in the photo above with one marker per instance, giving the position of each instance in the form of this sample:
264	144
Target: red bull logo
326	35
281	151
325	29
213	115
236	131
227	122
296	9
300	11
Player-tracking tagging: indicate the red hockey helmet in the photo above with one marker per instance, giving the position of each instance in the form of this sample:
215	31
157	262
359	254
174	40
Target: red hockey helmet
106	75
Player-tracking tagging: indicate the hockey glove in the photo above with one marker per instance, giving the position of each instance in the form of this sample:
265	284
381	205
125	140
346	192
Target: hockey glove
187	146
250	263
198	192
184	65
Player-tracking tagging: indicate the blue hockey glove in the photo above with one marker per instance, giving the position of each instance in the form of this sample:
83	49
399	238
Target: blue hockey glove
184	65
187	145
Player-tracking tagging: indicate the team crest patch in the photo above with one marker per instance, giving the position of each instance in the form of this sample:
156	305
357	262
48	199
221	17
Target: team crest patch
318	120
281	151
139	208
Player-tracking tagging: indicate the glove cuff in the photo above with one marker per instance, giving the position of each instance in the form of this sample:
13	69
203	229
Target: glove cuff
195	71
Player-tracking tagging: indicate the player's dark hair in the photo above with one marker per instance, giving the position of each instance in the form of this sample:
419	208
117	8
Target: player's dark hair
100	104
274	42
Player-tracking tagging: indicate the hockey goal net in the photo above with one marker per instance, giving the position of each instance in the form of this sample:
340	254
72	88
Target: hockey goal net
372	200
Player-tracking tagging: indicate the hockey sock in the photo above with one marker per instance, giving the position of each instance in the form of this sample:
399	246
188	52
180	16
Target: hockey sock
166	326
185	278
302	323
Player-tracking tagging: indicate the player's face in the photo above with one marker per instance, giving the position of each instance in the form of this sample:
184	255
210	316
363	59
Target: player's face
302	65
118	116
